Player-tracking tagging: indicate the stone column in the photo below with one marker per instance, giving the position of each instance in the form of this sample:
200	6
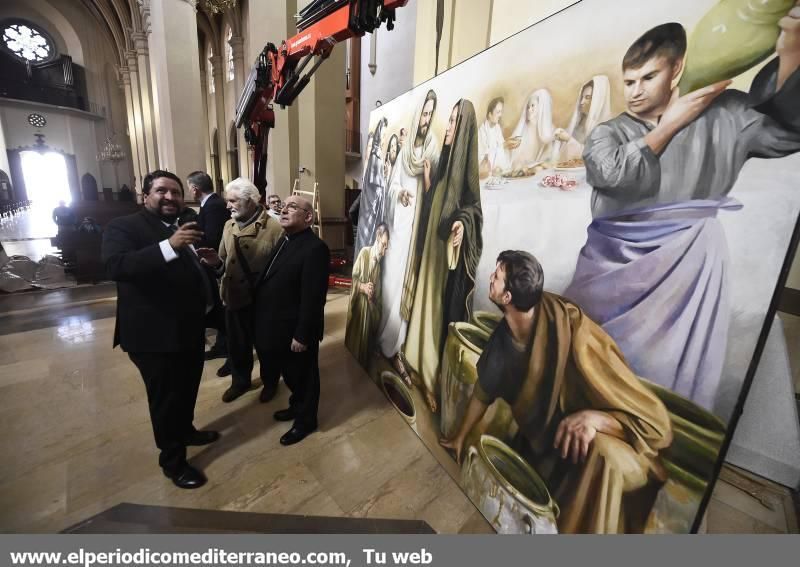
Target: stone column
146	97
321	143
273	21
237	45
207	125
125	84
175	73
217	75
137	111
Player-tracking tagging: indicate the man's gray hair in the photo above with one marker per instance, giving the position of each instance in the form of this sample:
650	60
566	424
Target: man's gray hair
245	188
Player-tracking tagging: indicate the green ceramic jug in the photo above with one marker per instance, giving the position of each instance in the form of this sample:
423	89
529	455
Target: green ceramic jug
731	38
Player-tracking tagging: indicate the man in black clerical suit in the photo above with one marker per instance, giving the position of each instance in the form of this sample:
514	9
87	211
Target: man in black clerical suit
163	294
211	222
290	303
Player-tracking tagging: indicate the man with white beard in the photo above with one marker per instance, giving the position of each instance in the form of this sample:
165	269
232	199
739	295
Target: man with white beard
247	242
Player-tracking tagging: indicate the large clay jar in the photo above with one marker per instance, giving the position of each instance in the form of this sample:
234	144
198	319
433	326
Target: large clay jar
731	38
506	489
398	393
486	320
462	350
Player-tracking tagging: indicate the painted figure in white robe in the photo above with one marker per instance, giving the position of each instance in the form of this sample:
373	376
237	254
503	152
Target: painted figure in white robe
654	269
592	107
493	148
534	131
409	179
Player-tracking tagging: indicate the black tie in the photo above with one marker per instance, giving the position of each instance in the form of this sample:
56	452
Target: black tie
193	258
275	257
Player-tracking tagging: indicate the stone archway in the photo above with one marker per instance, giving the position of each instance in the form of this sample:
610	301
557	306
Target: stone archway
233	152
88	187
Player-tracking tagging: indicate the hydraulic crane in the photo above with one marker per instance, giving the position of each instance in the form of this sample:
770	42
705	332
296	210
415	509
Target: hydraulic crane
277	75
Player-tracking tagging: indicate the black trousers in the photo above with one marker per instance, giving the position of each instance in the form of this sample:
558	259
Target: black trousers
172	380
216	319
301	374
240	324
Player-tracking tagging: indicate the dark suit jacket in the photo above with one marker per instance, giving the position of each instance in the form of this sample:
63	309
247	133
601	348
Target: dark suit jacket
211	220
161	305
290	295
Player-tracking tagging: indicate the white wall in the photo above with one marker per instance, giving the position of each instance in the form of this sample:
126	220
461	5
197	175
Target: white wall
175	74
394	74
510	16
271	21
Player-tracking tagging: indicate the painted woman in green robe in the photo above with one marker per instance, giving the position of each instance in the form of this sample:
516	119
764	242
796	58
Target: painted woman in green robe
449	249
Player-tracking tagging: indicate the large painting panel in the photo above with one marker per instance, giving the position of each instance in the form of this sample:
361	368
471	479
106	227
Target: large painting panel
567	250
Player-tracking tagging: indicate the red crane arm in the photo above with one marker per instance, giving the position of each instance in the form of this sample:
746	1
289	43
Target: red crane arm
277	75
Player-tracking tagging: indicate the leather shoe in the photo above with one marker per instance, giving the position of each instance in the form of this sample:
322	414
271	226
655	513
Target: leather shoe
187	477
284	415
295	435
267	393
199	438
224	370
233	393
215	352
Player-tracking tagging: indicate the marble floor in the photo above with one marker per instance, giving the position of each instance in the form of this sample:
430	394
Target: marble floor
77	439
28	233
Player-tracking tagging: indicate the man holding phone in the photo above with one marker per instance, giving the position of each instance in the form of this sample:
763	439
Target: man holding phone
163	295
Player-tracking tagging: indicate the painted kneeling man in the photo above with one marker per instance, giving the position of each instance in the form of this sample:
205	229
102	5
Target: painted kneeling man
588	425
364	312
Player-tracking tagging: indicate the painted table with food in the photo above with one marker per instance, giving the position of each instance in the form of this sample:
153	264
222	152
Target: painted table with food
543	208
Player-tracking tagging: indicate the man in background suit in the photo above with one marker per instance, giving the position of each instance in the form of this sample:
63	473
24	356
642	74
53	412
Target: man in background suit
211	222
213	210
290	303
163	295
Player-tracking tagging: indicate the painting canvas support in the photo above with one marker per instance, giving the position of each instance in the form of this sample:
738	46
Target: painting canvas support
462	184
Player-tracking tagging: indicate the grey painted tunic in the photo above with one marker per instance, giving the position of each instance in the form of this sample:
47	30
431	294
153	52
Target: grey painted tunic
653	271
702	161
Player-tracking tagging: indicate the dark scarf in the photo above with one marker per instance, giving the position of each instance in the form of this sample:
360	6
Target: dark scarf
457	176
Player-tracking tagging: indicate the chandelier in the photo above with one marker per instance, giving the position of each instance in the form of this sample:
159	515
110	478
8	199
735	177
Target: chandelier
111	151
217	6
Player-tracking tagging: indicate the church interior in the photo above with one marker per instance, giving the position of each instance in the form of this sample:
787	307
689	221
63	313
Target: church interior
94	94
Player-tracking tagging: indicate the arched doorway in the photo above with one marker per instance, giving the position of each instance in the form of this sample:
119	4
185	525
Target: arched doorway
46	178
233	152
215	164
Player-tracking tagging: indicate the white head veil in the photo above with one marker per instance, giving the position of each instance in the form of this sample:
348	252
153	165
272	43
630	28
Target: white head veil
410	161
537	135
599	110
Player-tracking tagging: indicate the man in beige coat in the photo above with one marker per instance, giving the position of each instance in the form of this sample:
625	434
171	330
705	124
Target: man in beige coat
247	243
